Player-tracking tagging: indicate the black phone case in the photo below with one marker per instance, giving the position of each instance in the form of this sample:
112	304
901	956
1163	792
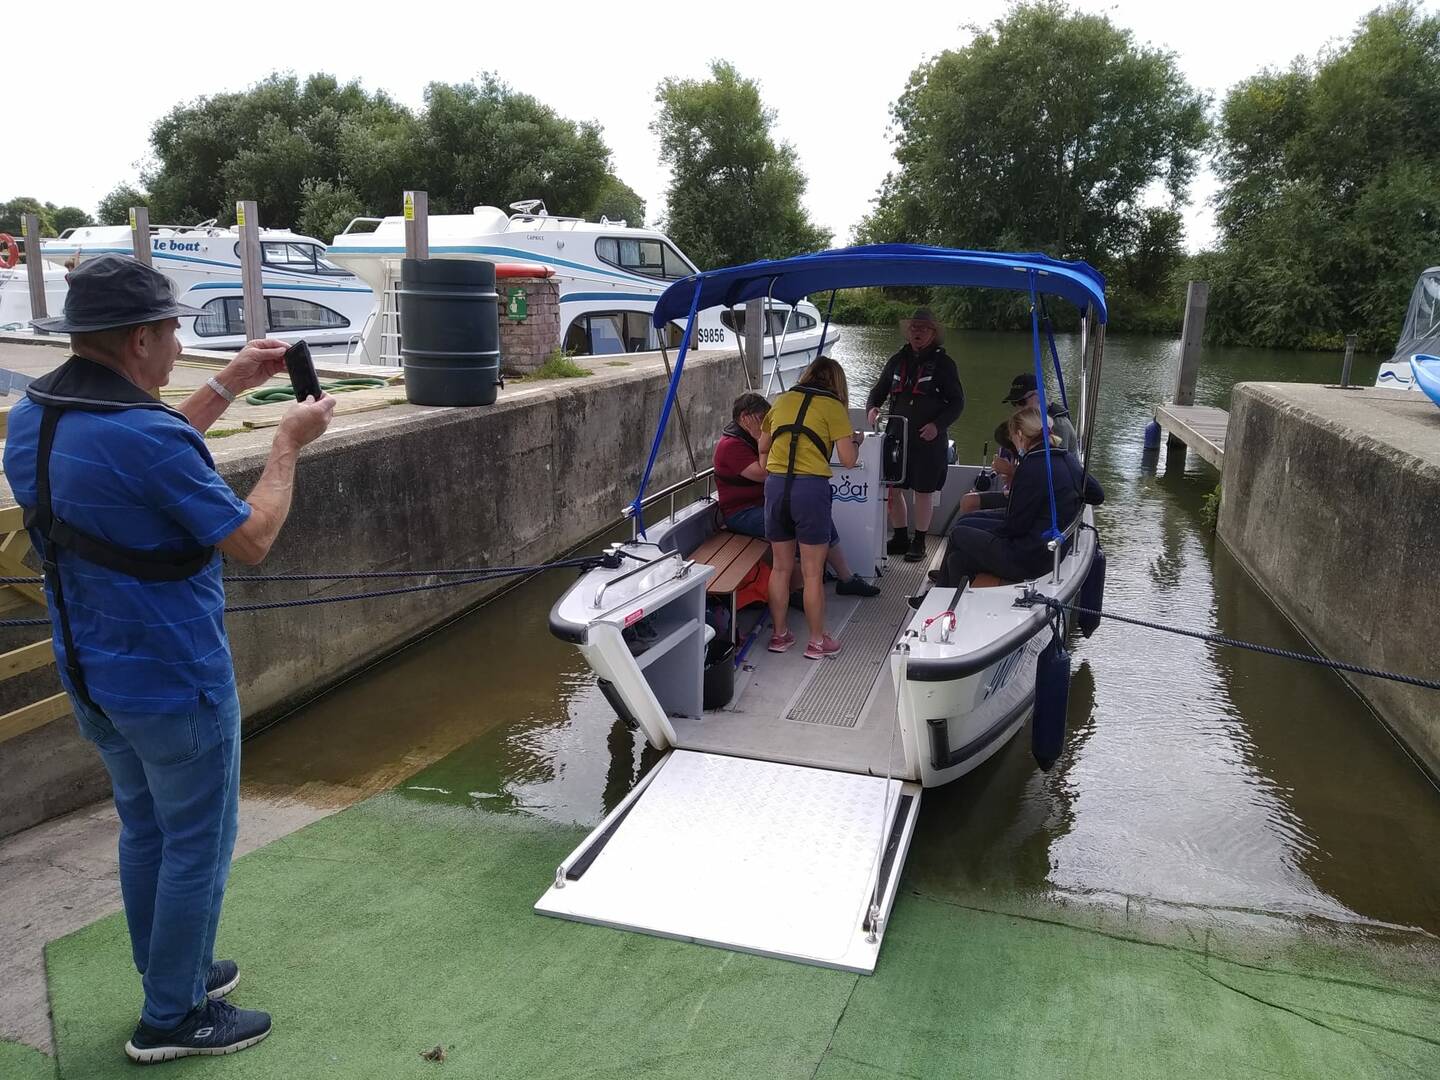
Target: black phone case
302	372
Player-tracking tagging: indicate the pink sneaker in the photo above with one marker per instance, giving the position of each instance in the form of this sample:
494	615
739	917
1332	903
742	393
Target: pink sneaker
781	642
818	650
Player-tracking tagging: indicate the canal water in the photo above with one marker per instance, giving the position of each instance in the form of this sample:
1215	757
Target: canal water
1208	783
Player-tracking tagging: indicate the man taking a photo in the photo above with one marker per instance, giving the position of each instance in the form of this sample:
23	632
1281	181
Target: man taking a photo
129	516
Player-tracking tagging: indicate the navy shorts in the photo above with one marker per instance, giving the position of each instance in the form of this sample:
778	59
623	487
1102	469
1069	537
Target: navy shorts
808	516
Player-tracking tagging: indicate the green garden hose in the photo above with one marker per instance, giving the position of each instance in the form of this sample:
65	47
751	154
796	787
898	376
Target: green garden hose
275	395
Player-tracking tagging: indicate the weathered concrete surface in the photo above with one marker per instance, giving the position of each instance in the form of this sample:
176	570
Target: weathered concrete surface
520	482
1331	500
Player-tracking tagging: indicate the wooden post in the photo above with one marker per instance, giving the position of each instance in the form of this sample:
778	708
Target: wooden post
417	225
257	321
755	342
1197	301
140	233
34	266
1349	359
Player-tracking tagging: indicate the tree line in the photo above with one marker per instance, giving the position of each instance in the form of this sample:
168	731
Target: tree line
1051	130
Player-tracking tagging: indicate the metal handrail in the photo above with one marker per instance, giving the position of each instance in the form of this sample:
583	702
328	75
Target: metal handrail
642	568
361	221
669	492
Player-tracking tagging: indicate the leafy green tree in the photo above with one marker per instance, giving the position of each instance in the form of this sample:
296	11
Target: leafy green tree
311	152
114	208
735	193
618	201
69	217
1049	131
326	208
12	213
1330	200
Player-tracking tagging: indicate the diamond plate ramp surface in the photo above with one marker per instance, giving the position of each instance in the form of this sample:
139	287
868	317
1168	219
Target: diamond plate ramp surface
836	693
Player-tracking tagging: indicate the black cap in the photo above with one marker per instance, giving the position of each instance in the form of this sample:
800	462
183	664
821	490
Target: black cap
111	291
1019	387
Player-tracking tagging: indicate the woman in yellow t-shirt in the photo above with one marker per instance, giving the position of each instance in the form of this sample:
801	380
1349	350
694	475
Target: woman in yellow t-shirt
801	429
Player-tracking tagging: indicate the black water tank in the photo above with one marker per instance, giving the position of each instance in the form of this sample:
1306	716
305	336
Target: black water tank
449	331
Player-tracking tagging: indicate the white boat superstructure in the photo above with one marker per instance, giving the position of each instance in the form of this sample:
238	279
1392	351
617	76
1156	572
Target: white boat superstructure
610	275
306	295
779	820
1421	333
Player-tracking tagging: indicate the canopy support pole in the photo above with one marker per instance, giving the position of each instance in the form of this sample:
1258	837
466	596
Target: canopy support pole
1054	537
636	510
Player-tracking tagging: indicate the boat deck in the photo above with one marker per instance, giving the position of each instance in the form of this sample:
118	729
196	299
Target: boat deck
835	713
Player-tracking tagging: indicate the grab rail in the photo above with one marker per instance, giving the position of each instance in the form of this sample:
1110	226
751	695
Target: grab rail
361	221
682	566
669	493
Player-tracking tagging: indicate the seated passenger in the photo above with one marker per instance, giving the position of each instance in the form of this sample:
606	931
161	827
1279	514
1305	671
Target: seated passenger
1025	395
740	487
1003	467
1012	546
803	428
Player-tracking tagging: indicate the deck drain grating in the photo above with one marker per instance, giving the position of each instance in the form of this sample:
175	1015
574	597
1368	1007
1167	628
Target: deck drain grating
836	693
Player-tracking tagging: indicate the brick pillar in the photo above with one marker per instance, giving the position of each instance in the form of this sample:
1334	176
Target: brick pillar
525	343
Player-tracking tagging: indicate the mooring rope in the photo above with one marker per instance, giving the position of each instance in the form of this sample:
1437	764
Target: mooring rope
1032	598
457	579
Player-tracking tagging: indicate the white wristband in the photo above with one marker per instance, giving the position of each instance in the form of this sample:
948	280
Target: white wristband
214	384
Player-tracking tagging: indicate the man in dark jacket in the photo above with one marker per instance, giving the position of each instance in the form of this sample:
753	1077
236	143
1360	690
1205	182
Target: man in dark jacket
923	387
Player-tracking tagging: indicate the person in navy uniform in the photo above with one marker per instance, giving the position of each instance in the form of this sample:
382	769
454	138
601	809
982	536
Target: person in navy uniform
923	387
123	504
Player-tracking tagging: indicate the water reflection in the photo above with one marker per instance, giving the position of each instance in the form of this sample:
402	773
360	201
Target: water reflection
1192	775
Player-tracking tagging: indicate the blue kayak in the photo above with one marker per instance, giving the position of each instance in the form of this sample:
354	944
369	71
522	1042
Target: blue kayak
1427	375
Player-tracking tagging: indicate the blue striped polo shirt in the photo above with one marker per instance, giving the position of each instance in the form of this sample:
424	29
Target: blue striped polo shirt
140	478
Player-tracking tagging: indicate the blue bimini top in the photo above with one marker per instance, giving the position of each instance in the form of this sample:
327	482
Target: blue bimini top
791	280
139	478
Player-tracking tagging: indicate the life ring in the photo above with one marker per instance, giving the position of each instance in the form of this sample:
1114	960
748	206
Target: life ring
9	252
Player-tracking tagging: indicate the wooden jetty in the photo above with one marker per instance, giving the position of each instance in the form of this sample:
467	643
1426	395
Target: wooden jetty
1199	427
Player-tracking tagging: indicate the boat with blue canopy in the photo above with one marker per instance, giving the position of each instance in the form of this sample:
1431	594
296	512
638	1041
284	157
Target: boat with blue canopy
779	818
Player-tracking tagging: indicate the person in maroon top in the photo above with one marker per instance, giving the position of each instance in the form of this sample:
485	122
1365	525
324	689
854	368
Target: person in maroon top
740	487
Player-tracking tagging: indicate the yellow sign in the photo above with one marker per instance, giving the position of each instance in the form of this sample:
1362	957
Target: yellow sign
24	224
409	206
132	219
239	215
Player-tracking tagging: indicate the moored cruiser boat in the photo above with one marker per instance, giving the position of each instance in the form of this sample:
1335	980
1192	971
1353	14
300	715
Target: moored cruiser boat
779	820
306	295
610	275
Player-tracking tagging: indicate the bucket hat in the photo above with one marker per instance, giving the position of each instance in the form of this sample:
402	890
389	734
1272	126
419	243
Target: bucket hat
925	317
111	291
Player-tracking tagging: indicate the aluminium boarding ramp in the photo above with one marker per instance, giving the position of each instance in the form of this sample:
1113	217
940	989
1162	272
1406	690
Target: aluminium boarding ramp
758	856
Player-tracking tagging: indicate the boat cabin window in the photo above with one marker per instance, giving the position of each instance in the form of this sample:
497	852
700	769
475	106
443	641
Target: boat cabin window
653	258
600	333
296	257
774	322
226	316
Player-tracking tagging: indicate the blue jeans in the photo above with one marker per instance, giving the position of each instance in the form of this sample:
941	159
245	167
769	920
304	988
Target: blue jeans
176	781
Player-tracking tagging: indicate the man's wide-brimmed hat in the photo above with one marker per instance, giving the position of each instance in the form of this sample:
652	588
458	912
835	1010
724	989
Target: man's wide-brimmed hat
924	317
111	291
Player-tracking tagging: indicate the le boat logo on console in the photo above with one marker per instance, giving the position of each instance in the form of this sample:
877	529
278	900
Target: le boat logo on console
849	491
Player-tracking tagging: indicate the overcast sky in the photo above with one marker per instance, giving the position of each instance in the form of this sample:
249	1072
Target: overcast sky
80	103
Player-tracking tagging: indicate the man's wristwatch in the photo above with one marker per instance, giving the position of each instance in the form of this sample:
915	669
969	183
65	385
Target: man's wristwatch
215	384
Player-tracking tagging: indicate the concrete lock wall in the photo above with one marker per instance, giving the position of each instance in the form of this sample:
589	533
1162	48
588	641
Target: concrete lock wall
516	483
1331	500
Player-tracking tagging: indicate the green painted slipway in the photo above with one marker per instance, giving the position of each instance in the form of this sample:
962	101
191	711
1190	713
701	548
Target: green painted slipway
398	925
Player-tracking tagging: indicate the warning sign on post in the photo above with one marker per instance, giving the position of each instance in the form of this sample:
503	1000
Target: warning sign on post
516	304
239	215
409	206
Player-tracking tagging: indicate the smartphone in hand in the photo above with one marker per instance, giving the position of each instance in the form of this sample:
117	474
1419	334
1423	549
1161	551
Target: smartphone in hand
302	371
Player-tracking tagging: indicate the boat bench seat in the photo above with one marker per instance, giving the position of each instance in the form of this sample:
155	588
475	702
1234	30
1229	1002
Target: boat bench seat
734	558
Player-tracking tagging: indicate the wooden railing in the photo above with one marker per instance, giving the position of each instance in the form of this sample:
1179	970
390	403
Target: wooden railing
14	546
